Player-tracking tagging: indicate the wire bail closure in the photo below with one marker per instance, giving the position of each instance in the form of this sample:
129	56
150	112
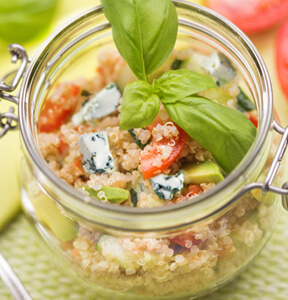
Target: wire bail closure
267	186
8	120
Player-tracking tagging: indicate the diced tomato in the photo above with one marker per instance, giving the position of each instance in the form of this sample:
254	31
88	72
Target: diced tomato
282	57
78	164
184	240
58	107
152	152
252	116
192	190
75	253
251	16
276	117
63	147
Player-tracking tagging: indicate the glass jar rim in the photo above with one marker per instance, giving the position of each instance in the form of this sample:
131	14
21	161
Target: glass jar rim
127	213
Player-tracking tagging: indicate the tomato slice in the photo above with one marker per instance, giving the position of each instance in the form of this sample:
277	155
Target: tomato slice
252	116
58	107
152	153
251	16
282	57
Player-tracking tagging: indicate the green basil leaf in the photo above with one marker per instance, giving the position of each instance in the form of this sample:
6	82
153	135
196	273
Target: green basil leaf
23	20
225	132
139	105
244	103
178	84
144	32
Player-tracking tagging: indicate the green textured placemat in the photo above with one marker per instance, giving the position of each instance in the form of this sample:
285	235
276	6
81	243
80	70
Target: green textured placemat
266	278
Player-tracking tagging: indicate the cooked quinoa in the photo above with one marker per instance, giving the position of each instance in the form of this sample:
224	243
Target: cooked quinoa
183	263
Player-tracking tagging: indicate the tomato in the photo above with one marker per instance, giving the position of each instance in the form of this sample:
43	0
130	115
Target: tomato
78	164
282	57
252	116
58	107
152	153
251	16
185	239
192	190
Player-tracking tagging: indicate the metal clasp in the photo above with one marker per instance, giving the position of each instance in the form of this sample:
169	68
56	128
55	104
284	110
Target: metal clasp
267	186
8	120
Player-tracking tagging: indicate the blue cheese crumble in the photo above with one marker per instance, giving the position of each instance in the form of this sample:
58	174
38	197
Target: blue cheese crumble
166	186
219	67
95	150
103	104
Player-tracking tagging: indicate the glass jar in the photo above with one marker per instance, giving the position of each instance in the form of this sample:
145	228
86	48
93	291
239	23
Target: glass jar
229	224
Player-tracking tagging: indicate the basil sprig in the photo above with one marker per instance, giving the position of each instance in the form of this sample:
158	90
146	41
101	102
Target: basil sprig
141	101
225	132
145	32
139	105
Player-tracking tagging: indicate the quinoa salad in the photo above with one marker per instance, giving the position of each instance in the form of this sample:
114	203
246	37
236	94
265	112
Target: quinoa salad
157	165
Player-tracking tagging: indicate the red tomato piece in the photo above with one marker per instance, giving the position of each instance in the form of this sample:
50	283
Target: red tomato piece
185	239
78	164
58	107
192	190
153	153
251	16
282	57
252	116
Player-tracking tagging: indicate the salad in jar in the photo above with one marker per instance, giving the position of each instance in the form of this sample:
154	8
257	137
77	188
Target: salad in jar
155	126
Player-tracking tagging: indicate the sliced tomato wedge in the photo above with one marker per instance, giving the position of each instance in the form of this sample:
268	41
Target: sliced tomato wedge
282	57
153	153
252	116
58	107
252	16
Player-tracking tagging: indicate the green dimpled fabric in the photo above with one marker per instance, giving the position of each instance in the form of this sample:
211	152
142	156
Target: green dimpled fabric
265	279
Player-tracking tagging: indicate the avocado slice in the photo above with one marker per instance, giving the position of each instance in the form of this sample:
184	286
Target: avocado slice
206	171
113	194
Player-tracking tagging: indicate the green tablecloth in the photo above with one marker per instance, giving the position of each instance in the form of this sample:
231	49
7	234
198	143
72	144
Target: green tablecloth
266	278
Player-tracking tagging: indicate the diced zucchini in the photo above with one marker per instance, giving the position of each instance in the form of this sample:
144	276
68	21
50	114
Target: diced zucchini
134	197
114	251
113	194
137	141
166	186
204	172
138	188
217	94
244	103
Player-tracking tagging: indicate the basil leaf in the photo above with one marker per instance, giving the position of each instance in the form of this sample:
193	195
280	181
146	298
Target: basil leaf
144	32
139	105
225	132
244	103
178	84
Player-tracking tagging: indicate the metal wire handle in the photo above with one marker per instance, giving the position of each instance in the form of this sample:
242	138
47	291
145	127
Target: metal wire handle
267	185
8	120
12	281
